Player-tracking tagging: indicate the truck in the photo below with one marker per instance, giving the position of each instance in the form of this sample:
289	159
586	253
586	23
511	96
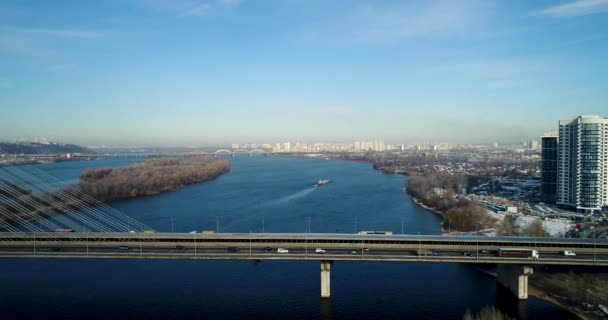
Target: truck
365	233
518	253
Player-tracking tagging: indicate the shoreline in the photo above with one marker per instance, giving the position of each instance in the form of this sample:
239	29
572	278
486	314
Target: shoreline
535	291
540	293
418	202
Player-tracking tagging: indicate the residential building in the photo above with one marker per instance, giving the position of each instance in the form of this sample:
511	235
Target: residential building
582	181
549	152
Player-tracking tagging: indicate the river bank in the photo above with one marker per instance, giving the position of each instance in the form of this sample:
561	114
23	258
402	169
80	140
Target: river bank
150	177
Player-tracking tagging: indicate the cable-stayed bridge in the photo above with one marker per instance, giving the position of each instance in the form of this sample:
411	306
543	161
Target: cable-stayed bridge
41	217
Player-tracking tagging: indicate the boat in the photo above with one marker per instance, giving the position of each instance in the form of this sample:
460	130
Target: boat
322	182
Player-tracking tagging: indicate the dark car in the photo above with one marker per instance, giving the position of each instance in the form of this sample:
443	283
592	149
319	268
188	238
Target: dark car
268	249
233	249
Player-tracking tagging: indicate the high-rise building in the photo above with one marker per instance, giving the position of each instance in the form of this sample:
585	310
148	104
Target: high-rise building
533	144
549	144
582	181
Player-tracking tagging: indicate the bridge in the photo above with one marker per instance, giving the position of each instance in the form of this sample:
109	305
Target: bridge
232	152
513	272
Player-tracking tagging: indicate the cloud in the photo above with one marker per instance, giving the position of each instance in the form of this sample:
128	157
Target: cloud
61	33
231	3
416	19
39	42
576	8
181	8
4	84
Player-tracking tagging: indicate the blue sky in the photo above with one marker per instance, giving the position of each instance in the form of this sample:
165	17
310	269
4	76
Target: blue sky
200	72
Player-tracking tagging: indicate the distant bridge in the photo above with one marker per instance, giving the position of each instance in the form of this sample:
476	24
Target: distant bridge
231	152
513	272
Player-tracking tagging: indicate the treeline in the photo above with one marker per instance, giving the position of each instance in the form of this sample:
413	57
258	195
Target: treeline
40	148
421	187
440	191
151	177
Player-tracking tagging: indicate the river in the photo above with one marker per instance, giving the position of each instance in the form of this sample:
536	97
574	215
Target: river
271	194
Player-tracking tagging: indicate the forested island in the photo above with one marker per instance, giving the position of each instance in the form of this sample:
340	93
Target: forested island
150	177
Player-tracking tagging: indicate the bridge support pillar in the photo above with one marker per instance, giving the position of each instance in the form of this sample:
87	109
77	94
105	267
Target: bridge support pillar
514	278
325	280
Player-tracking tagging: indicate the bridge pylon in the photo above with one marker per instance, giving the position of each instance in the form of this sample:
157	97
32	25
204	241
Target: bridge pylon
515	278
325	278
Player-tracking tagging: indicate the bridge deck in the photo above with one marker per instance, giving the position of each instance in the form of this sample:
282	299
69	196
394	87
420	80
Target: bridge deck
339	247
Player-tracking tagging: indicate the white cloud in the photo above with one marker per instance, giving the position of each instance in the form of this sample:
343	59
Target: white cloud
231	3
198	10
576	8
415	19
181	8
62	33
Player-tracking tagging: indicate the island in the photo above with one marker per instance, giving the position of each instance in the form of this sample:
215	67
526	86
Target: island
151	177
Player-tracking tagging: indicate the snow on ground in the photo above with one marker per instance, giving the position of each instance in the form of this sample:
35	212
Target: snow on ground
555	227
498	216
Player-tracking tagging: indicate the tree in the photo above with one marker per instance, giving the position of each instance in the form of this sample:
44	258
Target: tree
536	229
486	313
469	218
508	227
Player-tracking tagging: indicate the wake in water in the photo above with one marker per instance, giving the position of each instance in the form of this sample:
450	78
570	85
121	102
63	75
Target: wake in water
293	196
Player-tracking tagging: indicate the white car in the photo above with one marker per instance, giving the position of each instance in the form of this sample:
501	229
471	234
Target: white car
281	250
568	253
319	250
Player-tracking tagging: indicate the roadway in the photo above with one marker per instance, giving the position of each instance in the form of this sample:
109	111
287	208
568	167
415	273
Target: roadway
270	253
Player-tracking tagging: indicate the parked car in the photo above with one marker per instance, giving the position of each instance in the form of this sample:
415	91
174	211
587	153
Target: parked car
268	249
319	250
233	249
282	250
569	253
122	248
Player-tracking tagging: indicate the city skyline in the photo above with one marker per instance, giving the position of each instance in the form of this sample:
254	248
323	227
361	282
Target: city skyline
190	72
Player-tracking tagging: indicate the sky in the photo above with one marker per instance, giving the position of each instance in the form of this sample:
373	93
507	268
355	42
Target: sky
211	72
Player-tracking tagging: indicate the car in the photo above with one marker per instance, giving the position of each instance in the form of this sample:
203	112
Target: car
354	252
268	249
233	249
180	248
569	253
282	250
57	249
468	254
319	250
366	249
122	248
